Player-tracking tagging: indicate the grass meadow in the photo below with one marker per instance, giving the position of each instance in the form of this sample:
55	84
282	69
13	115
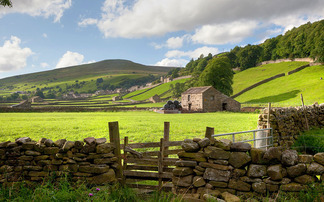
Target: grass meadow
286	90
140	126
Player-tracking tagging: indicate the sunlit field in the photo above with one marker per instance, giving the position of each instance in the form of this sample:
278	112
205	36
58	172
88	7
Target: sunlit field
144	126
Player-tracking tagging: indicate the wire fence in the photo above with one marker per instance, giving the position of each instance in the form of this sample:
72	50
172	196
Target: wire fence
262	138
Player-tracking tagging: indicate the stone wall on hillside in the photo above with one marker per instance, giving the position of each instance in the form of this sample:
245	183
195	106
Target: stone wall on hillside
287	123
91	160
210	168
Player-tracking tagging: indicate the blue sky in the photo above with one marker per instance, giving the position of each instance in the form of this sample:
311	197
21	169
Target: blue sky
40	35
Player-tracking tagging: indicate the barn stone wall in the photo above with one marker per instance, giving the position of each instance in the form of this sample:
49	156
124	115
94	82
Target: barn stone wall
195	101
210	168
287	123
91	160
211	100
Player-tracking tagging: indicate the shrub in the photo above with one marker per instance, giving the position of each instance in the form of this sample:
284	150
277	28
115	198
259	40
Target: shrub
310	142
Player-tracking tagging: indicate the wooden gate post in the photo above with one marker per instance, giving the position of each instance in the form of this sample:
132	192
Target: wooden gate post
160	162
115	140
209	132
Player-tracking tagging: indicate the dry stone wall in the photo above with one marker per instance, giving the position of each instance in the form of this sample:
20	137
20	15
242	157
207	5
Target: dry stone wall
211	169
287	123
91	160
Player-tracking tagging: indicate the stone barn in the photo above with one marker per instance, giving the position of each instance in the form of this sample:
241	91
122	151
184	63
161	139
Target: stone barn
155	99
117	98
207	99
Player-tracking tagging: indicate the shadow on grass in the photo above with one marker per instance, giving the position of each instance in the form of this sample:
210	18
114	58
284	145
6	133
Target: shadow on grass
276	98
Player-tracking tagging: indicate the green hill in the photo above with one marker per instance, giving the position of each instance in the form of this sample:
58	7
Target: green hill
285	91
83	78
253	75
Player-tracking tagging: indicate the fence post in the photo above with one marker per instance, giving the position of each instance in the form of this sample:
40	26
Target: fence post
166	138
160	162
125	158
268	125
302	100
115	139
209	132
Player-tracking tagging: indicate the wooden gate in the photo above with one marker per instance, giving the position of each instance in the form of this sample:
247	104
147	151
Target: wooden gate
147	165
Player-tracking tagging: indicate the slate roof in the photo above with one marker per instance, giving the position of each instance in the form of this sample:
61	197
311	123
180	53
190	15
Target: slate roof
197	90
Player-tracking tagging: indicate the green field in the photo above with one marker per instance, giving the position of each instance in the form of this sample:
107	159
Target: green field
253	75
138	126
286	90
157	90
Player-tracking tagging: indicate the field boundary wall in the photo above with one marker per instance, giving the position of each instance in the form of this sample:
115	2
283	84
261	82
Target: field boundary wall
287	123
211	169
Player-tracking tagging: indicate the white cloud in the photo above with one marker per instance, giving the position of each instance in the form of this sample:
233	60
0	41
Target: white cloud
88	21
44	64
144	18
70	59
12	55
44	8
44	35
205	50
172	62
233	32
174	42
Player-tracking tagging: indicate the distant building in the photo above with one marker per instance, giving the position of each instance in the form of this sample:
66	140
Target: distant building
207	99
155	98
36	99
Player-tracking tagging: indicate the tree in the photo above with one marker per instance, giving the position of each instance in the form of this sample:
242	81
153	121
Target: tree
178	89
40	94
5	3
219	74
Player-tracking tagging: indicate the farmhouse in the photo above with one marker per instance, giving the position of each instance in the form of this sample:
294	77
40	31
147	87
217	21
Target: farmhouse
36	99
155	98
116	98
207	99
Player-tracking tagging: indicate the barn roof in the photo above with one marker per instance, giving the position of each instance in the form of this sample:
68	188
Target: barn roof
197	90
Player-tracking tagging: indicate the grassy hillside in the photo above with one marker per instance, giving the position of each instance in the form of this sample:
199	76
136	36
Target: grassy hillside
253	75
81	78
157	90
286	90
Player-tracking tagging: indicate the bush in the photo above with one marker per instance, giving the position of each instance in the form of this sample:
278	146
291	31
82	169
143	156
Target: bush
310	142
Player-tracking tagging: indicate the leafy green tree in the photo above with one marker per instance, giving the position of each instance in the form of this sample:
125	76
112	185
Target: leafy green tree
219	74
178	89
14	96
40	94
5	3
249	56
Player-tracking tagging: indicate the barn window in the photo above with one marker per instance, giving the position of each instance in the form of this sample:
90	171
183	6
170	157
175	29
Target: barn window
212	97
188	97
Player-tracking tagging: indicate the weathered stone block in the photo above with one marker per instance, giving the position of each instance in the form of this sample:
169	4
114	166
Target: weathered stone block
182	171
272	187
217	175
182	181
49	143
319	158
257	170
90	140
51	150
25	158
295	187
104	148
239	185
315	169
183	163
238	173
239	159
104	178
68	145
215	166
241	147
305	179
105	160
216	153
93	169
223	144
218	184
33	168
189	145
289	157
32	153
306	159
198	181
275	172
257	156
22	140
297	170
204	142
192	156
78	144
259	187
59	143
28	145
273	155
250	180
38	174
